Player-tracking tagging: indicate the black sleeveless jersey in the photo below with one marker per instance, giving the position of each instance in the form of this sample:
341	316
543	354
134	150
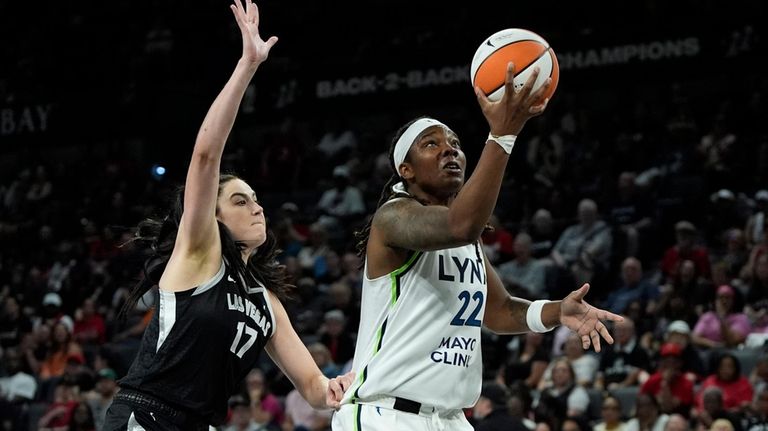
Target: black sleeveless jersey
200	345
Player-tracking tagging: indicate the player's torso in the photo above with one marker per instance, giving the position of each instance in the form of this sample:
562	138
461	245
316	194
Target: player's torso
201	342
419	335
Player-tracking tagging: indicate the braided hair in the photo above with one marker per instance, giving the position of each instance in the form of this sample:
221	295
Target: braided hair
387	193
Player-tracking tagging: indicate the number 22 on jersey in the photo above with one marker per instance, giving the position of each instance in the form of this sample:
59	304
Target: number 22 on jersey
473	302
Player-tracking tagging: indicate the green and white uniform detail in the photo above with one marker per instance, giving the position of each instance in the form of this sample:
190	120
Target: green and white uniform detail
419	335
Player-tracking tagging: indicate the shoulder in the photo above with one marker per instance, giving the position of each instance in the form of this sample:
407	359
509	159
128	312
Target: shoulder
393	209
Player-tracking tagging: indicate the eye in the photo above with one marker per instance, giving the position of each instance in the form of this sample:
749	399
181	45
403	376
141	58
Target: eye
455	143
240	203
430	143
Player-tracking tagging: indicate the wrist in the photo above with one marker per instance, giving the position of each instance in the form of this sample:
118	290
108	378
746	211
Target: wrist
248	64
537	318
506	142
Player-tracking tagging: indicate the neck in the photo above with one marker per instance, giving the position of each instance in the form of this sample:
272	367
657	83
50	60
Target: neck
246	253
429	198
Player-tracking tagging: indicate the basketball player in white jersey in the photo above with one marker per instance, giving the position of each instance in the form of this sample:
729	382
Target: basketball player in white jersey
427	286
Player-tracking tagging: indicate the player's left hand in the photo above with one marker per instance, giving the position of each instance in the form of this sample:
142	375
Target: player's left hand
336	388
586	320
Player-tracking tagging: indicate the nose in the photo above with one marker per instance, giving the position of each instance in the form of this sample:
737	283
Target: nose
450	151
256	209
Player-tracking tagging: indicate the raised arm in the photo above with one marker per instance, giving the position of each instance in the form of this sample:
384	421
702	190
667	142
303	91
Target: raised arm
198	231
416	227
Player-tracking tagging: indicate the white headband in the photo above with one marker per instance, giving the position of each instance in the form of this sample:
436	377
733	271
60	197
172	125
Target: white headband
406	140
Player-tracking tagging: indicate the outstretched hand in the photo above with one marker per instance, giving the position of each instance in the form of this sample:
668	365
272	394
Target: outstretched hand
336	388
508	115
586	320
255	50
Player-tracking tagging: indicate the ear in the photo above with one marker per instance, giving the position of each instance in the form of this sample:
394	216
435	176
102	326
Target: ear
406	172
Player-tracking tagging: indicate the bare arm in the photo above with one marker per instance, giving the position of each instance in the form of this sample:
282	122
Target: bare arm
290	354
198	231
505	314
411	226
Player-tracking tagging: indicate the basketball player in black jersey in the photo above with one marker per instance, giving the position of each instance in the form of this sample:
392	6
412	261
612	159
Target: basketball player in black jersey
218	301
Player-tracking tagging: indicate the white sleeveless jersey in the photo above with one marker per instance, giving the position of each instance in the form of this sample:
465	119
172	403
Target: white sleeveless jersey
419	335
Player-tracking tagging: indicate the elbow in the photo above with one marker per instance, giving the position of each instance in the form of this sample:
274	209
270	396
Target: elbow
203	155
466	233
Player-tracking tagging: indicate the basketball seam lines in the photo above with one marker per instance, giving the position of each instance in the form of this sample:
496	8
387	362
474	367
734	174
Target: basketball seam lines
523	69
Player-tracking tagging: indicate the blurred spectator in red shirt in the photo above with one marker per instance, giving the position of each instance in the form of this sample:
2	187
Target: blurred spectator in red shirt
672	390
685	248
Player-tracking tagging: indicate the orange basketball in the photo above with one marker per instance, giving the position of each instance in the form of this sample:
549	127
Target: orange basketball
525	49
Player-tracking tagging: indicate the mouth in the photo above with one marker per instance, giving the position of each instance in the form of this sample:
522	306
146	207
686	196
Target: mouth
453	167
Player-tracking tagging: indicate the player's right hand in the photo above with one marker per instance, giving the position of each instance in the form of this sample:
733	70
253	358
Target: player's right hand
255	50
509	114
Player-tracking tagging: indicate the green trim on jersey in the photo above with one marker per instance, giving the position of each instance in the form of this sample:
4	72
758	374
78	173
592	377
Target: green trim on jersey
395	275
358	414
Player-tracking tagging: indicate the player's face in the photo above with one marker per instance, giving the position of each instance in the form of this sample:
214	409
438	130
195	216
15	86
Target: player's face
239	209
437	162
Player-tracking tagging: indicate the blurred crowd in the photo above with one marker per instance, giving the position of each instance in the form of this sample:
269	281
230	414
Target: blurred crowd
658	199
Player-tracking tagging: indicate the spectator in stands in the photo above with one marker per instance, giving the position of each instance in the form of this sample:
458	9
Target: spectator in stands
17	387
543	234
673	392
712	409
312	255
685	248
59	413
610	413
633	288
758	286
648	416
13	324
623	362
758	378
334	335
265	407
736	391
734	254
564	398
757	418
723	327
684	296
82	418
584	365
723	214
679	332
242	418
342	203
342	297
62	348
677	422
527	364
524	276
100	398
491	413
89	325
723	425
584	248
323	359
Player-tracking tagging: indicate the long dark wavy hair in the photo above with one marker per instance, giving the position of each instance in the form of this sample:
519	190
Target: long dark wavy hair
386	194
160	237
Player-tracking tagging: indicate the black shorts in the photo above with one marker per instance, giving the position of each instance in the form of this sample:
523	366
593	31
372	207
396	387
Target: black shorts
134	411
